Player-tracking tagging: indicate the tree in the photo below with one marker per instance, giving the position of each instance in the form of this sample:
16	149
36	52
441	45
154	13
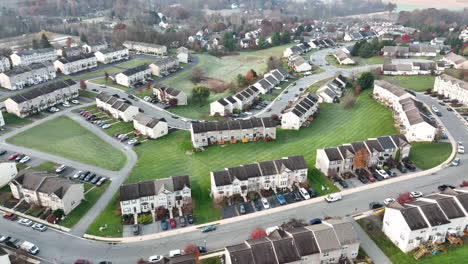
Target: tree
285	37
192	249
276	39
405	198
197	74
249	77
258	233
361	159
406	38
229	42
357	47
160	212
366	80
83	85
45	42
366	50
59	213
106	76
200	93
83	38
35	44
241	80
262	43
349	100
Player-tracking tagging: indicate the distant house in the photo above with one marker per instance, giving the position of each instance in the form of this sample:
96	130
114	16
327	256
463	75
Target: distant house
332	90
146	47
2	120
414	50
183	55
117	107
299	64
162	66
47	190
294	50
165	94
110	55
302	111
263	86
437	41
134	75
72	64
456	61
95	46
8	171
149	126
4	64
70	51
343	58
24	58
24	76
452	88
414	68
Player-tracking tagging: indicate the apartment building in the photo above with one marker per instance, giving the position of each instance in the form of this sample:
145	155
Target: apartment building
332	90
118	108
24	76
149	126
452	88
70	51
265	175
339	160
414	68
301	113
456	61
242	100
47	190
170	96
8	172
413	50
95	46
132	76
163	66
299	64
72	64
146	47
183	55
343	58
23	58
110	55
146	196
4	64
39	99
333	241
206	133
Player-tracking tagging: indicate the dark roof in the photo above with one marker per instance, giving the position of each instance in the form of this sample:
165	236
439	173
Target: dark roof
46	89
264	83
231	99
463	199
305	241
262	251
252	170
413	218
449	206
295	162
285	250
268	167
347	151
146	120
222	178
232	125
374	145
246	123
433	213
223	102
268	122
283	72
76	58
153	187
386	142
183	259
36	51
400	140
333	154
358	146
135	70
238	172
240	254
43	182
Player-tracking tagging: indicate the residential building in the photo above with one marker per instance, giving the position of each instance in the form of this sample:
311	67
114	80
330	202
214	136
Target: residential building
437	41
95	46
182	259
163	66
301	113
339	160
2	120
117	107
413	50
265	175
294	50
299	64
4	257
4	64
149	126
333	90
242	100
343	58
206	133
146	47
47	190
431	218
452	88
170	96
183	55
24	58
146	196
70	51
414	68
39	99
24	76
410	114
110	55
8	171
263	86
133	75
332	241
72	64
456	61
464	35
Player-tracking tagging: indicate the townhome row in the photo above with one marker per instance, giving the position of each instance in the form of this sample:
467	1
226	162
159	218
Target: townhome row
72	64
298	49
146	196
148	126
23	58
46	190
265	175
413	50
298	63
93	47
409	113
360	35
183	55
341	159
25	76
170	96
343	57
41	98
321	43
333	241
456	61
146	47
414	68
4	64
163	66
301	112
70	51
133	76
431	218
206	133
333	90
452	88
118	108
110	55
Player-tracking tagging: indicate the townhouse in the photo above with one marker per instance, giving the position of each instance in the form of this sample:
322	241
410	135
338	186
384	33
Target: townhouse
70	51
4	256
343	58
146	196
183	55
95	46
170	96
431	218
265	175
301	113
294	50
163	66
414	68
24	76
415	50
206	133
341	159
146	47
452	88
149	126
118	108
24	58
4	64
333	241
333	90
8	171
134	75
39	99
299	64
47	190
72	64
2	120
109	55
413	119
242	100
456	61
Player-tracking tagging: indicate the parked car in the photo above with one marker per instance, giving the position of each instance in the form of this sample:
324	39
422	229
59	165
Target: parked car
202	249
25	222
164	225
82	261
208	228
175	253
304	193
77	174
391	173
20	157
416	194
39	227
265	203
4	239
155	259
281	199
388	201
333	197
136	230
242	209
377	176
95	179
190	219
61	169
369	177
297	196
456	162
258	204
101	181
89	177
182	221
25	159
172	223
10	216
444	187
362	179
383	173
66	104
75	101
461	149
410	166
84	175
2	152
375	205
132	141
343	183
401	167
13	156
311	192
14	243
315	221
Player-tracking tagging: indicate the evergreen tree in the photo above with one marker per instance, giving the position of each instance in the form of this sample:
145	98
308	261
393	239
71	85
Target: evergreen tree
366	80
228	41
366	50
83	38
276	39
35	44
285	37
45	42
262	43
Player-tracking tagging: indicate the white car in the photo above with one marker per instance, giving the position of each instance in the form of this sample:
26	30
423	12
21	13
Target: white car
456	162
66	104
132	141
60	169
304	193
26	222
388	201
175	253
25	159
77	174
416	194
383	173
265	203
147	98
155	258
461	149
75	101
39	227
106	126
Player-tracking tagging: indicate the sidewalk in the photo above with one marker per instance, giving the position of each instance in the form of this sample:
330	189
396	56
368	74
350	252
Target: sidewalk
372	250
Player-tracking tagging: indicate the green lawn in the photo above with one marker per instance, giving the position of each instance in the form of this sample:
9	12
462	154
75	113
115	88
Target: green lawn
47	166
455	254
110	83
135	62
90	199
428	155
64	137
88	94
110	70
418	83
107	217
359	61
14	121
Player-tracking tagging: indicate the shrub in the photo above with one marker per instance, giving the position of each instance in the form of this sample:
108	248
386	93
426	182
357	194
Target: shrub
405	198
58	213
145	219
258	233
52	219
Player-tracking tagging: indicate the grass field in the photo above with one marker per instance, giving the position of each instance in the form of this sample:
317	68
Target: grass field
47	166
110	70
439	153
66	138
135	62
110	83
418	83
14	121
359	61
88	94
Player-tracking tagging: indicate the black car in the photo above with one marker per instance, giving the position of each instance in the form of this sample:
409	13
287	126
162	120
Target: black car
20	157
377	176
297	196
311	192
137	143
2	152
449	109
201	249
401	168
391	173
95	179
83	175
258	204
375	205
136	230
13	243
410	166
190	219
444	187
90	177
343	183
363	179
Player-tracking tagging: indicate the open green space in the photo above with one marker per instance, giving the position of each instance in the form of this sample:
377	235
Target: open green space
455	254
88	94
110	83
91	198
66	138
135	62
110	70
14	121
418	83
428	155
359	61
47	166
107	217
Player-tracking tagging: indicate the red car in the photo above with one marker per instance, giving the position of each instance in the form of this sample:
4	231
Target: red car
370	177
10	216
172	223
13	156
82	261
85	114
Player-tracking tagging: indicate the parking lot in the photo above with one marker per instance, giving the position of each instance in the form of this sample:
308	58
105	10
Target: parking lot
152	228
